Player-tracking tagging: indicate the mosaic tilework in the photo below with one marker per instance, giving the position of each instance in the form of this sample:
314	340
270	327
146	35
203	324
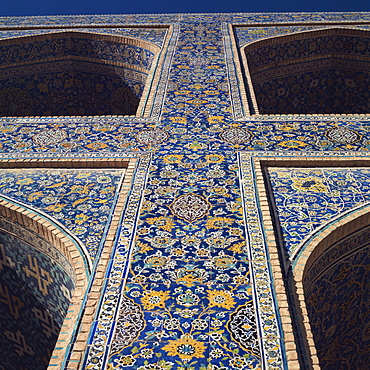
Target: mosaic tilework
81	200
189	282
307	198
313	73
245	35
172	18
68	90
38	243
73	44
339	294
106	135
153	35
34	297
90	76
196	261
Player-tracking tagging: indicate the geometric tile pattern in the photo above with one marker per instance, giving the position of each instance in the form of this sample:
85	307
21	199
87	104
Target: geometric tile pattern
312	73
34	298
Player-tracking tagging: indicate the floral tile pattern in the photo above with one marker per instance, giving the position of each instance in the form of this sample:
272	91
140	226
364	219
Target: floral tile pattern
82	201
307	198
189	283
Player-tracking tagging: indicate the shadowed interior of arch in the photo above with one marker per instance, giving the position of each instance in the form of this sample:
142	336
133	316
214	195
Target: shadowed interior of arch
316	72
336	289
36	285
72	74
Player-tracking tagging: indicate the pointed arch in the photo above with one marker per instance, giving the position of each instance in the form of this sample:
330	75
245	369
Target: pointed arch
330	261
323	71
62	249
75	73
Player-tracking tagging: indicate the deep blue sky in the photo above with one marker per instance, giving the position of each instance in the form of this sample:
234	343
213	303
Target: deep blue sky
64	7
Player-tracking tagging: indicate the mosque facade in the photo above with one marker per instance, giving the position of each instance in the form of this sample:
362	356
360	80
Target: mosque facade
185	191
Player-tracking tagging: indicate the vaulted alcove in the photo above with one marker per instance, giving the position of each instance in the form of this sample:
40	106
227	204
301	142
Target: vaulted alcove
36	285
42	277
316	72
330	284
337	290
73	73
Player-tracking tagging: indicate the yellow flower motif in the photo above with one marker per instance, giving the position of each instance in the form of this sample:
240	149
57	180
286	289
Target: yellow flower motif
292	144
143	247
35	195
81	218
107	190
240	280
238	248
26	181
154	298
310	184
80	189
79	201
196	145
223	262
287	127
215	158
177	252
164	223
219	190
55	207
173	158
96	145
218	222
185	347
178	119
220	298
155	262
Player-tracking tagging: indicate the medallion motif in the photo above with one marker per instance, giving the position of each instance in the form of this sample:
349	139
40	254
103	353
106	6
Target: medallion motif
343	135
129	325
199	61
190	207
243	328
50	136
235	135
152	136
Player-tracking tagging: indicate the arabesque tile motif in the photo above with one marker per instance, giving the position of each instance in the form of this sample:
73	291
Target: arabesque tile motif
190	280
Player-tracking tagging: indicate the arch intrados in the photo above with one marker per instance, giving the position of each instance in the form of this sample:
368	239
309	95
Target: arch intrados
273	40
68	246
333	232
81	34
316	246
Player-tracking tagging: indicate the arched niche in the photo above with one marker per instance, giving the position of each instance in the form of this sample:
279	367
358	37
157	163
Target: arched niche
43	278
324	71
73	73
332	279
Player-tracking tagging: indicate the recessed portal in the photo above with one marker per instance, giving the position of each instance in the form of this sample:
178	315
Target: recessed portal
73	74
337	291
36	286
318	72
